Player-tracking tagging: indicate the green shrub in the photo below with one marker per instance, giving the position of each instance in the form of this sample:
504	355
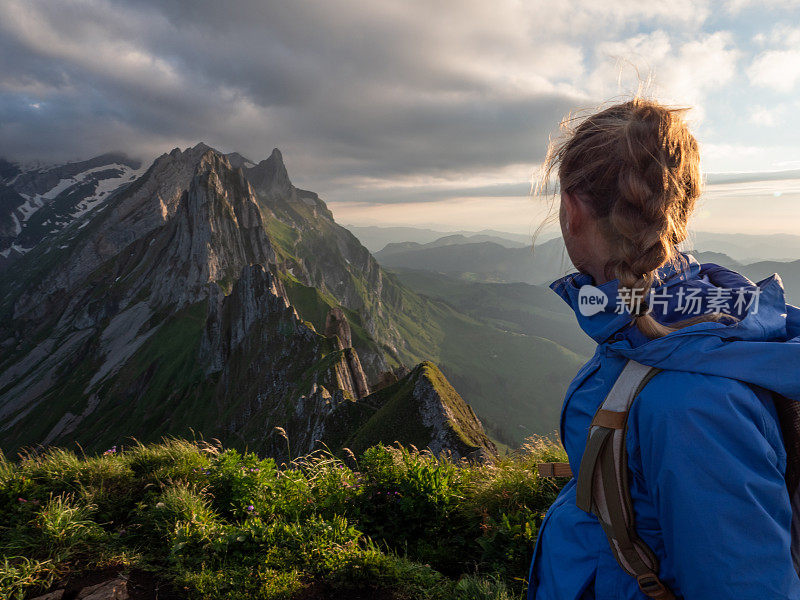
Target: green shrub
65	524
19	576
394	522
241	583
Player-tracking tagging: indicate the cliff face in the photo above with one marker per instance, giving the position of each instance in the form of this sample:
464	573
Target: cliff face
202	296
316	252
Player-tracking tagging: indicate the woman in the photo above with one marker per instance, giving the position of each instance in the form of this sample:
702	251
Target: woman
706	457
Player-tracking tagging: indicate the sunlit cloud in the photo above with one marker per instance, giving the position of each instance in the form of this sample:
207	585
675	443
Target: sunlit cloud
776	69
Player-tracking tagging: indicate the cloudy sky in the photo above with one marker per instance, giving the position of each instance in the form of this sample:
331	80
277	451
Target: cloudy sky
417	112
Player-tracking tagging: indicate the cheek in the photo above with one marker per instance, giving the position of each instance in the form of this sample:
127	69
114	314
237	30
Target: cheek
575	250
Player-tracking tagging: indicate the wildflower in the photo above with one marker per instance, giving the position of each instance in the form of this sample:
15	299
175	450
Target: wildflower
111	450
250	507
21	500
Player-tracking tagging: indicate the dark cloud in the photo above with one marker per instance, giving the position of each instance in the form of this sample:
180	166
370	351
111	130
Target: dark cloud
346	89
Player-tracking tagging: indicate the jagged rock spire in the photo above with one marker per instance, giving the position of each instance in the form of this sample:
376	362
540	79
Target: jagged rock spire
336	324
270	176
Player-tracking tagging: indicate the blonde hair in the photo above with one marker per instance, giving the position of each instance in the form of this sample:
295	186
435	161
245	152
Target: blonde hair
637	165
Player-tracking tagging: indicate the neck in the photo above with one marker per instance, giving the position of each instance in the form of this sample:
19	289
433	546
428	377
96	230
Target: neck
598	274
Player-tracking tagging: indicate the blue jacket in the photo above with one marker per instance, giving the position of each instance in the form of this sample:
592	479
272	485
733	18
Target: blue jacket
705	448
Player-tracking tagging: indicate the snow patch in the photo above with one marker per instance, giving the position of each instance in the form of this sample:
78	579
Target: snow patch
105	187
17	247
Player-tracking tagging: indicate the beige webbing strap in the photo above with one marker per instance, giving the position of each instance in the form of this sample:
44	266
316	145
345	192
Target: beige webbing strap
554	469
603	487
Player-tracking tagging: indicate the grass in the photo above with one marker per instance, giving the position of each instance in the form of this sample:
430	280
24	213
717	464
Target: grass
211	522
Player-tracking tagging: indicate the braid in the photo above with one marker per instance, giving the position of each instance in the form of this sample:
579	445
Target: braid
638	165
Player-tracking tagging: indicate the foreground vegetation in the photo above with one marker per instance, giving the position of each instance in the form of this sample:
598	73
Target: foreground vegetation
212	523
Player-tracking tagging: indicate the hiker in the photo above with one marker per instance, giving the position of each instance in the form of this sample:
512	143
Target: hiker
705	464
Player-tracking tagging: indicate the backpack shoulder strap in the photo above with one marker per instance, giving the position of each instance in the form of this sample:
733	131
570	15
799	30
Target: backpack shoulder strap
789	417
603	486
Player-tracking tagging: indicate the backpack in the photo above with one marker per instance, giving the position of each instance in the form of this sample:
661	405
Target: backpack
603	487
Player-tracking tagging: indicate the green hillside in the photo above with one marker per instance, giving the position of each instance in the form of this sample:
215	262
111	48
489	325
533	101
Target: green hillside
518	307
510	350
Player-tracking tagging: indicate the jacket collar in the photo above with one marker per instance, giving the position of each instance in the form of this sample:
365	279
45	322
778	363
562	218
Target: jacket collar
614	317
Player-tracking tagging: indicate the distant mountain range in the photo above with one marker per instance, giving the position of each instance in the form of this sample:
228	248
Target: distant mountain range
746	248
462	258
482	261
39	202
376	238
789	272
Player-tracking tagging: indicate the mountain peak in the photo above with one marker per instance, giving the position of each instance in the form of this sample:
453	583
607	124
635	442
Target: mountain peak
238	161
8	169
270	176
276	164
424	409
188	160
118	157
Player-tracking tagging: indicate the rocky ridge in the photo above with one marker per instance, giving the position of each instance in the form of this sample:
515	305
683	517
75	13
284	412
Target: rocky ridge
182	303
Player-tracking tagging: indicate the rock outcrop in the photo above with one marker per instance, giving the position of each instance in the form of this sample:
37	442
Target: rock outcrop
336	325
421	409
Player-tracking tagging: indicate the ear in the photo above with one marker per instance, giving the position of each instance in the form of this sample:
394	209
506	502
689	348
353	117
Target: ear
572	212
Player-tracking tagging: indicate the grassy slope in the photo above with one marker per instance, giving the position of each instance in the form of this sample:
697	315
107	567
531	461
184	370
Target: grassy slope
204	523
515	382
390	414
313	305
157	391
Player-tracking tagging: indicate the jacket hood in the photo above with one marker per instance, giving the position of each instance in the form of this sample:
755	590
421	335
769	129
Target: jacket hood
762	347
